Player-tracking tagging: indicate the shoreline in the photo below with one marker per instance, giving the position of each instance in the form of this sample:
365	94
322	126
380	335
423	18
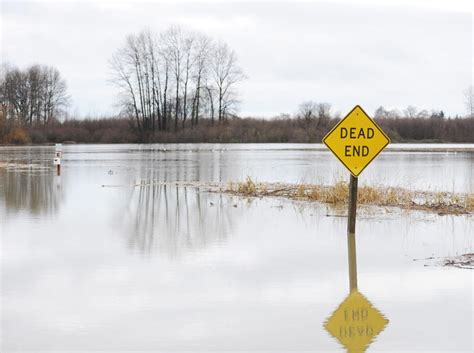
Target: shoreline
408	147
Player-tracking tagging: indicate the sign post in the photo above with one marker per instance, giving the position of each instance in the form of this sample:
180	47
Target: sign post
57	158
351	222
356	140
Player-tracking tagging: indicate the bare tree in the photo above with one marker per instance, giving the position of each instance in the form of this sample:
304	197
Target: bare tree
153	64
308	110
174	42
124	65
324	114
37	94
380	113
312	111
189	61
410	111
164	59
55	96
210	98
203	47
136	71
226	74
162	77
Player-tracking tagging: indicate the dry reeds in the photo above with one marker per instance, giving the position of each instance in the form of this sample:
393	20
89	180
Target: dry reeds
337	194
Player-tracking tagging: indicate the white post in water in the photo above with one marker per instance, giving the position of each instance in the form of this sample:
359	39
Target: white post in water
57	158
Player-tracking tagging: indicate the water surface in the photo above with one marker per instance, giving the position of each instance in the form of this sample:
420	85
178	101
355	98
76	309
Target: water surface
103	258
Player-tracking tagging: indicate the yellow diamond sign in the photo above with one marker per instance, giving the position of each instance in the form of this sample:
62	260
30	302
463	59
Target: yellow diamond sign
356	140
355	323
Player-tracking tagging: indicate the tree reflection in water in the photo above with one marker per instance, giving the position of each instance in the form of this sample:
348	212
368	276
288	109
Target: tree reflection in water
38	192
175	219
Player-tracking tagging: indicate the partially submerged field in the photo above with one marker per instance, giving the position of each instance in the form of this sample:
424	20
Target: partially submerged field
337	195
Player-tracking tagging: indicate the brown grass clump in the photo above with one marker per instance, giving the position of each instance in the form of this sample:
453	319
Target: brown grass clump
314	193
395	196
470	202
301	191
385	196
336	194
368	194
249	187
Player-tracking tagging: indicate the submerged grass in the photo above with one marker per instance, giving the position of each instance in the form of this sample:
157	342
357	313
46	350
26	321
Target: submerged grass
337	195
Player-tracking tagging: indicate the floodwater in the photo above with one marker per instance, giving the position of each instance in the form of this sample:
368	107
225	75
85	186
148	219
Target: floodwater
105	257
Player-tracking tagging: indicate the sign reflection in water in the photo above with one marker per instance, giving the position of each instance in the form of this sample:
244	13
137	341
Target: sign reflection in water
356	322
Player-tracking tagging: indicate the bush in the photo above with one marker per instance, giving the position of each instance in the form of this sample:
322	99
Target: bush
17	136
37	136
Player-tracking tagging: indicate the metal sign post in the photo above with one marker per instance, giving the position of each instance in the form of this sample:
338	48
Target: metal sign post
356	140
351	223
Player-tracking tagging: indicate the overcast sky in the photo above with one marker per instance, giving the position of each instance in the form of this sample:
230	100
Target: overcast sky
345	53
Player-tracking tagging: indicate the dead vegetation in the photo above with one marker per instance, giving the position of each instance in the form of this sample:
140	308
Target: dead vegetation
337	195
463	261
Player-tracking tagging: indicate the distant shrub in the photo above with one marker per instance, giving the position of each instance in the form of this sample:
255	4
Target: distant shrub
17	136
37	136
116	135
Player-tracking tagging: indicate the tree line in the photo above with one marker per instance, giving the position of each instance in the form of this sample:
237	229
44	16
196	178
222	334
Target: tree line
308	125
427	127
172	79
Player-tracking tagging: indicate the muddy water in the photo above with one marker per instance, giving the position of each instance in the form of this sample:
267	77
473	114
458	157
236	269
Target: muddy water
102	258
